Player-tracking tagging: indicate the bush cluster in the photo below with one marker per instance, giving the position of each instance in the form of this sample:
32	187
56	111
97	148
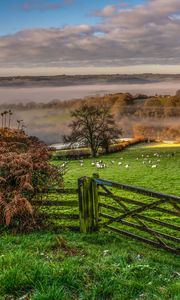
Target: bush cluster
24	171
123	145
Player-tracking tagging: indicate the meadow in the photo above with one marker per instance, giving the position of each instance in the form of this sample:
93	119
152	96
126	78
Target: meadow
139	159
70	265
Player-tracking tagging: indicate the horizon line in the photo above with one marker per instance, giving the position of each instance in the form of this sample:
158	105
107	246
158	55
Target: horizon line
90	74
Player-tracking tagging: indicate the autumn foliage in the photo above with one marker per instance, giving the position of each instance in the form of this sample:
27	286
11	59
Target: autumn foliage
24	170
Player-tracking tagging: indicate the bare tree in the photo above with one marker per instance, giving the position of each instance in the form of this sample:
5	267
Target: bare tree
10	114
19	123
93	126
2	119
5	113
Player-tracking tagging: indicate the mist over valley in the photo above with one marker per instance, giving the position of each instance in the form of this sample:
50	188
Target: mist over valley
46	110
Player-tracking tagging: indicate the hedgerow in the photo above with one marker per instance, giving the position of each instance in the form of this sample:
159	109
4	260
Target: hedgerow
85	152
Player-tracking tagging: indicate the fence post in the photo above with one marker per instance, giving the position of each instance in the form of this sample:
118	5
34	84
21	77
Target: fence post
88	204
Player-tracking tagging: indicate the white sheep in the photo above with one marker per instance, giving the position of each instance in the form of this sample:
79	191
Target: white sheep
98	165
154	166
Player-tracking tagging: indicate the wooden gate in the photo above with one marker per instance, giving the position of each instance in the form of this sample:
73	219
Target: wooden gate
135	212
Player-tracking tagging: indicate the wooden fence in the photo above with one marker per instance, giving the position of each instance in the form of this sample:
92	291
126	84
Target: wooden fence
135	212
56	205
114	206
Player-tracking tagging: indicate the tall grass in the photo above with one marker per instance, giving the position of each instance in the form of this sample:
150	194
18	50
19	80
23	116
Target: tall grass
96	266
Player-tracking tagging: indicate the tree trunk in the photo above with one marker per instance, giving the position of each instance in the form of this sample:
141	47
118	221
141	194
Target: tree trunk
93	152
107	149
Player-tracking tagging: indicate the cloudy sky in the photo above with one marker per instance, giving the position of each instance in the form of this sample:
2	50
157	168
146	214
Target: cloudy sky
97	36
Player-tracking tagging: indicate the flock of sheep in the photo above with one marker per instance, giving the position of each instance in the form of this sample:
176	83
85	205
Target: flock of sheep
146	160
152	161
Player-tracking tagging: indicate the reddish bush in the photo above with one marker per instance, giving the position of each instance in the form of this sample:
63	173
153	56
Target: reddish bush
24	170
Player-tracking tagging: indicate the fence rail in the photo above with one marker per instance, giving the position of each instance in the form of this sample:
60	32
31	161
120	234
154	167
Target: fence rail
70	191
54	204
136	189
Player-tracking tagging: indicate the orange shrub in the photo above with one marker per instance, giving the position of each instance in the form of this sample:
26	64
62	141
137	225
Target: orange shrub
24	170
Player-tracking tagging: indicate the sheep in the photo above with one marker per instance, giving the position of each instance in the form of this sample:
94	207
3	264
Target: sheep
154	166
100	165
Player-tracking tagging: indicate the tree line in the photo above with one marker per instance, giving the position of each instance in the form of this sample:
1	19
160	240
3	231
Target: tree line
122	104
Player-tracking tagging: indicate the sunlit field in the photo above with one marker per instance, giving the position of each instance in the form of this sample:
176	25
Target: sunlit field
164	145
68	265
149	166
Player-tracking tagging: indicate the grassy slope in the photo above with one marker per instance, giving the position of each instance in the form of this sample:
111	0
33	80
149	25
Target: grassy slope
96	266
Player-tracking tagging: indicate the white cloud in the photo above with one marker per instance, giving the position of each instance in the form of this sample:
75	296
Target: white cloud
147	34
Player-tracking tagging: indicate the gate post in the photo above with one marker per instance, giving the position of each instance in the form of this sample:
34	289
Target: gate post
88	204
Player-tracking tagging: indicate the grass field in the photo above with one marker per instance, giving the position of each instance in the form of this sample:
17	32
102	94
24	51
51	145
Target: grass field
140	159
69	265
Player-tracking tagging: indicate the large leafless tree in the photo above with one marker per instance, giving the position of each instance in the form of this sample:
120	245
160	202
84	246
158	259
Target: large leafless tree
93	126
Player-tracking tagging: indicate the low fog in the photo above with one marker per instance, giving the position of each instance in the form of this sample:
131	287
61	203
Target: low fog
47	93
51	124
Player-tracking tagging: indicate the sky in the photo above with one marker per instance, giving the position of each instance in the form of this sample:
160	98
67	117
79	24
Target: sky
47	37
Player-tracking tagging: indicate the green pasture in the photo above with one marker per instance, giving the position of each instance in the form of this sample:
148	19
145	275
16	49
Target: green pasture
148	166
66	265
165	177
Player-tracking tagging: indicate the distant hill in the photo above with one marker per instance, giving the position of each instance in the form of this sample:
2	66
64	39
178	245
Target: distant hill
67	80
